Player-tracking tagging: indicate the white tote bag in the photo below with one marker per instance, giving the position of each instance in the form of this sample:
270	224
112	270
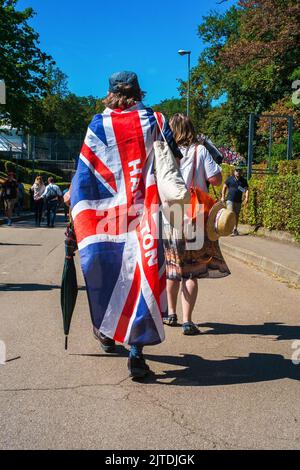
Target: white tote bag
172	189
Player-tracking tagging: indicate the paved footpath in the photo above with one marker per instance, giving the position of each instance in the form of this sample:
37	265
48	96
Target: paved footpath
232	387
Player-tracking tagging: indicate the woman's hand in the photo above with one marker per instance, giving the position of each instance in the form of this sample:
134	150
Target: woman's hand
216	180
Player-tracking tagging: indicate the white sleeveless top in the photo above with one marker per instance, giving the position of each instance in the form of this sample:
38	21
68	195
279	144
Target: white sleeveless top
206	167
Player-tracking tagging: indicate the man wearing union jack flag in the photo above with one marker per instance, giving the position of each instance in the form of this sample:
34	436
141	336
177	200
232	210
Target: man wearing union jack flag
115	209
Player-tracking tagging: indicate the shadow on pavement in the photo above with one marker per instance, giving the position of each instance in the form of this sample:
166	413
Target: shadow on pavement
120	352
197	371
20	244
282	331
31	287
30	223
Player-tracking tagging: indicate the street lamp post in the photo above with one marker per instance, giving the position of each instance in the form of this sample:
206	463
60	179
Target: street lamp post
188	53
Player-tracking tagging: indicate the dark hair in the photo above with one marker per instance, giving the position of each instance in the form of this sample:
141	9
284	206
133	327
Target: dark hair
51	179
183	130
126	97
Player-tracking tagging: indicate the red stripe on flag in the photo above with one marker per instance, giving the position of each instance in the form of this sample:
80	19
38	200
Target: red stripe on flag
131	149
99	166
114	221
129	307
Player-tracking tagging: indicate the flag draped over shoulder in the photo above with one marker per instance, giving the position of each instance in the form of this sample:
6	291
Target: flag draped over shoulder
115	208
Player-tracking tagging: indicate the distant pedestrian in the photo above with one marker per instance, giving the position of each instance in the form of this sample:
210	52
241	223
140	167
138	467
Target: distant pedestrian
21	192
38	189
237	187
9	194
51	195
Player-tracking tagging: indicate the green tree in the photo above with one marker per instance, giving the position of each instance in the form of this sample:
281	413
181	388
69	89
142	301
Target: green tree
251	57
68	115
169	107
60	111
23	65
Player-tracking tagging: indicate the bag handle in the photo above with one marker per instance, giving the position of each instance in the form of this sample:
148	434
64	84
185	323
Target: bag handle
194	165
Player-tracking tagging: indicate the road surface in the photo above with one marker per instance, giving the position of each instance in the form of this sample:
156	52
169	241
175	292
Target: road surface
233	387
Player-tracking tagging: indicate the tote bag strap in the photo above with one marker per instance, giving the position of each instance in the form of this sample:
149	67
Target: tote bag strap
194	165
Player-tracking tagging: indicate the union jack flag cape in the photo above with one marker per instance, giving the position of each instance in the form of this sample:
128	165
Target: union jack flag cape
115	208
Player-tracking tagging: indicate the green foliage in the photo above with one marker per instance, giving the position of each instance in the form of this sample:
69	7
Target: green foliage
291	167
252	213
251	59
25	174
23	65
274	201
64	115
171	107
281	205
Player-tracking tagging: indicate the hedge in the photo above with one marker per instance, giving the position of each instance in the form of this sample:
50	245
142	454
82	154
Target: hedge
27	163
274	201
25	174
290	167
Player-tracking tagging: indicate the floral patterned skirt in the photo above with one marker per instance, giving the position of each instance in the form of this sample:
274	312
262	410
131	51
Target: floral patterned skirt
183	263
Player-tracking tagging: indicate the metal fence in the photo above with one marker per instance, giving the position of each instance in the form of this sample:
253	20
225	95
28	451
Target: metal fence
51	146
54	147
271	117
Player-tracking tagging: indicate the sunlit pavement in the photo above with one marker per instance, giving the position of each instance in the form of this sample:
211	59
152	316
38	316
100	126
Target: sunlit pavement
234	386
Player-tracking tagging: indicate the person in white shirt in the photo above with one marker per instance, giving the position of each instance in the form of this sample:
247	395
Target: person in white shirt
186	266
38	189
51	195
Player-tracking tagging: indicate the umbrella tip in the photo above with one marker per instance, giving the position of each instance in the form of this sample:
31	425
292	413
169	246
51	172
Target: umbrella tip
66	343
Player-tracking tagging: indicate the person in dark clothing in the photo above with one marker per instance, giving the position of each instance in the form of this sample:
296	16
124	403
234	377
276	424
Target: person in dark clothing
52	196
10	196
237	187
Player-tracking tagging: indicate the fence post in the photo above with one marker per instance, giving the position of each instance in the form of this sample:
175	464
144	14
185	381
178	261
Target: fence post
290	138
250	144
270	144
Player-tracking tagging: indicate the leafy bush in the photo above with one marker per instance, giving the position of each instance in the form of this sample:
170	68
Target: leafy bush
25	174
37	164
290	167
274	201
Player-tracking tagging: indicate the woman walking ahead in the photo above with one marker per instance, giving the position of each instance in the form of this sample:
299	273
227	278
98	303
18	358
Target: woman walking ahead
38	189
186	266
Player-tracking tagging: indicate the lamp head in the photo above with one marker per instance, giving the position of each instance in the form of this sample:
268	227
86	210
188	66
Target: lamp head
183	52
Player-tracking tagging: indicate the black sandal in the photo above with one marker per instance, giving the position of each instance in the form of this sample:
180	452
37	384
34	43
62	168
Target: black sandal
171	320
190	329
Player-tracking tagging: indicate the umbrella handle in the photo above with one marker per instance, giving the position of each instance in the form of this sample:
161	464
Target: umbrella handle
66	343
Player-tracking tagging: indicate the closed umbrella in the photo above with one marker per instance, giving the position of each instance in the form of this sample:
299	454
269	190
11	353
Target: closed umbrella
69	287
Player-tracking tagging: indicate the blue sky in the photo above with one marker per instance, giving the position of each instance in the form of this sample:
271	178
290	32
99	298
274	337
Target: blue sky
93	38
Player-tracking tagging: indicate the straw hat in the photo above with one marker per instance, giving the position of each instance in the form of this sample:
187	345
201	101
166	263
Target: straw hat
220	222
